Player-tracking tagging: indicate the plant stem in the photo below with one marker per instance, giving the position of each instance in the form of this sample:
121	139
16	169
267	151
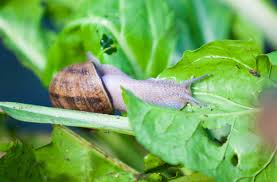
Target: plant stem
41	114
259	14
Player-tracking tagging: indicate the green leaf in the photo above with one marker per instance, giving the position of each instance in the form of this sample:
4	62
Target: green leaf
20	29
151	162
74	159
152	177
231	95
195	177
273	57
250	10
208	13
68	157
19	164
117	177
119	145
197	21
142	33
145	36
245	30
4	147
61	12
41	114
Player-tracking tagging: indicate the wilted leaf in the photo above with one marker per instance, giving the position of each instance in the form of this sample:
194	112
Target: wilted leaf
231	95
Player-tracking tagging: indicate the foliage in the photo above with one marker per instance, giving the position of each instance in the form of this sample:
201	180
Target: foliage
144	39
17	153
22	32
68	157
191	137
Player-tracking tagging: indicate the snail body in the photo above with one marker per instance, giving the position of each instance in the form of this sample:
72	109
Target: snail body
96	87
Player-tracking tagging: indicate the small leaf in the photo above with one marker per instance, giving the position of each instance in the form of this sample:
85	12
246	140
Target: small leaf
273	60
152	162
19	164
273	57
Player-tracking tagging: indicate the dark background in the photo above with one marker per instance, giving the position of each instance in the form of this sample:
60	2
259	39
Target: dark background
19	84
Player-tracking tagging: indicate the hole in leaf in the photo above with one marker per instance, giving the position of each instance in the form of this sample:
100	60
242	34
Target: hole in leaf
107	44
219	135
235	160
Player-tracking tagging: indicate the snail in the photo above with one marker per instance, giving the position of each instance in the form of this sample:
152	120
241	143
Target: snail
96	87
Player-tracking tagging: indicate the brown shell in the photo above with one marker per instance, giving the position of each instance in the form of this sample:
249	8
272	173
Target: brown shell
79	87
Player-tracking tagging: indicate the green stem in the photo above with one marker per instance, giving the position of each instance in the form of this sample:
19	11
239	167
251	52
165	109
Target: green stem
41	114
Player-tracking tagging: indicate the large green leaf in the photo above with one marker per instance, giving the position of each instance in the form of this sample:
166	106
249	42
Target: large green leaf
197	23
147	35
21	32
142	33
74	159
190	137
68	157
208	14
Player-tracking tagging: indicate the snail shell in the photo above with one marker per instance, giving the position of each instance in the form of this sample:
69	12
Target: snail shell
79	87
